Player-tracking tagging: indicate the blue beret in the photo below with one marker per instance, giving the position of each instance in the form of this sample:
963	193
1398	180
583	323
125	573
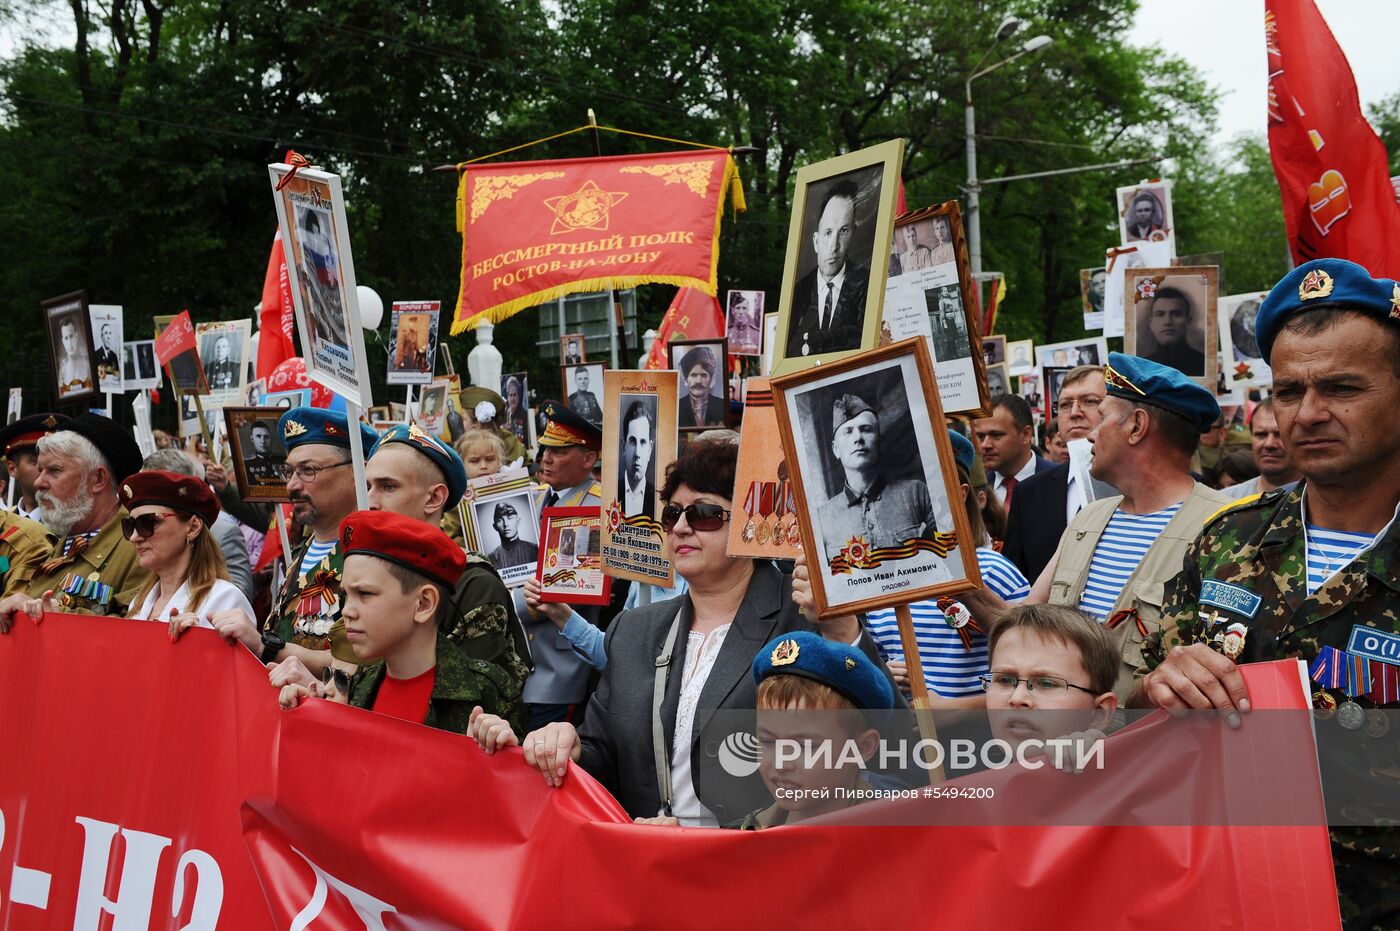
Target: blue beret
963	453
317	425
1138	379
442	456
1324	283
838	665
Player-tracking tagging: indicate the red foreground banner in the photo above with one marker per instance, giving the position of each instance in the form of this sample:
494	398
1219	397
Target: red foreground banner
533	231
156	785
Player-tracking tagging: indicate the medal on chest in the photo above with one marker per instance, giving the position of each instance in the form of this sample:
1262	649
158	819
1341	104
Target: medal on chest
317	605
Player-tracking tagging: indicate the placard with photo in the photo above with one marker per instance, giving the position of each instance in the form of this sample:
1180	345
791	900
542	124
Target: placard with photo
1029	388
1092	282
570	569
1091	350
413	336
874	421
573	349
431	414
702	365
223	349
998	379
928	294
321	272
835	270
743	323
639	440
994	349
764	523
1118	261
1244	364
139	369
1021	357
258	453
582	384
1052	378
70	347
1171	319
106	322
515	388
505	524
1145	214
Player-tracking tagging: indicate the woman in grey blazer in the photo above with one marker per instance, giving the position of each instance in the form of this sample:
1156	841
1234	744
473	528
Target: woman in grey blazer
678	673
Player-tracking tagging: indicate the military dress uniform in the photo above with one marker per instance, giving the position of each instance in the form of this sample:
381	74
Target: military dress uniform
1243	591
24	546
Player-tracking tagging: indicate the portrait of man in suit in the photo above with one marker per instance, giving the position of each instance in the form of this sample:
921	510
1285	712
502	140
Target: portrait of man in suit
108	373
636	480
703	405
828	303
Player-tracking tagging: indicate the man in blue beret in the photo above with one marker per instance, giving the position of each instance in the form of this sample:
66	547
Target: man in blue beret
869	506
1118	551
305	619
1311	573
416	474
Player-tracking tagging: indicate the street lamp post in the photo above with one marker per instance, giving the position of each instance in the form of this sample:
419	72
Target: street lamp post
974	187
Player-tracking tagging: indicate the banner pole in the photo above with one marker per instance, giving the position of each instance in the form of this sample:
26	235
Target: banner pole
357	455
923	713
203	427
408	403
619	343
282	535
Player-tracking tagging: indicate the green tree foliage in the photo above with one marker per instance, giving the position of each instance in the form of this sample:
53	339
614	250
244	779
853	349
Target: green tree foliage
134	135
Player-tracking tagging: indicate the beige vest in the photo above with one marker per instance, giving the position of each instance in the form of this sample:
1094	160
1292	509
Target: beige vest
1143	594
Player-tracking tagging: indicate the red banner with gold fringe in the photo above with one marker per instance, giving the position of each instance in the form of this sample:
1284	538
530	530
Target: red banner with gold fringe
533	231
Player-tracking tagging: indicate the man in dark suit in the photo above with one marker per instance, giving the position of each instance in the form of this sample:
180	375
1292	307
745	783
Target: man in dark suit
1005	440
700	408
1043	506
828	303
636	480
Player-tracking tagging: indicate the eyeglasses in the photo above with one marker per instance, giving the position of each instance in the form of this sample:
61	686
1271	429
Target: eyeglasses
1087	405
338	679
700	517
145	525
1006	682
307	473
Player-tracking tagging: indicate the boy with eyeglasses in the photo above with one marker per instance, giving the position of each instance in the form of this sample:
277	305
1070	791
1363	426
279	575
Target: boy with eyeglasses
398	578
1052	674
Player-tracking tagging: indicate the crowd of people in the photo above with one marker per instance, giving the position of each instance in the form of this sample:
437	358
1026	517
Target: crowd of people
1189	545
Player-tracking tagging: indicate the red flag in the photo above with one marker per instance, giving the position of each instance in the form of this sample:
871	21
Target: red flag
532	231
275	344
1338	201
693	314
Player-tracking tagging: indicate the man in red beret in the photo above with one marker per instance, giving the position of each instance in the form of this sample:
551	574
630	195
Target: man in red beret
397	581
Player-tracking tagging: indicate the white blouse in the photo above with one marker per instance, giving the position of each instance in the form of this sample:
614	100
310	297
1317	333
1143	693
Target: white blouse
222	597
701	651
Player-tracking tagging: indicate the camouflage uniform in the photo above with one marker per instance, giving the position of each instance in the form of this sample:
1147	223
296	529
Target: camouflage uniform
460	684
1256	549
307	610
484	623
24	546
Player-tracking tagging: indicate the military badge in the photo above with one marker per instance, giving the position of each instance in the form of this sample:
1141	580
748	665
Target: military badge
1232	640
749	531
1324	705
1376	724
1350	715
293	428
850	664
51	422
1315	284
785	653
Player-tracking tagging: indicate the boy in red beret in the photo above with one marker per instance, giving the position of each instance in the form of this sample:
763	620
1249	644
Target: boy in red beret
398	580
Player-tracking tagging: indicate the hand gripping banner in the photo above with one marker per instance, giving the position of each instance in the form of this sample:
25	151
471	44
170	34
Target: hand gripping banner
533	231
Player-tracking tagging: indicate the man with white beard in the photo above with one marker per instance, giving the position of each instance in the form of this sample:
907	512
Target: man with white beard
92	568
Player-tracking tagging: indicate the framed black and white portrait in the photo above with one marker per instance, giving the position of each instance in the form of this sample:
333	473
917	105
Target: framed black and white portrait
583	389
139	370
1145	214
259	455
998	379
874	421
636	454
223	349
515	388
1091	350
703	365
1244	365
507	532
1020	357
835	271
743	325
1092	282
70	347
106	320
1170	316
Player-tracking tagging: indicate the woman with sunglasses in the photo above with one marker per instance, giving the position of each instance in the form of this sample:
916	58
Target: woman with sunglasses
168	521
711	634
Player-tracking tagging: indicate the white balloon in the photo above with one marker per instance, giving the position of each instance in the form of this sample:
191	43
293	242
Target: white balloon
371	308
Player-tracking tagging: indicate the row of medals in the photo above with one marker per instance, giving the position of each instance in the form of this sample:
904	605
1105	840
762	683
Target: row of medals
1349	714
781	534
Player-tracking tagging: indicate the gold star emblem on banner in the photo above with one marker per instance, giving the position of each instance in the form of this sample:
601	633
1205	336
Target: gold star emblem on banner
585	209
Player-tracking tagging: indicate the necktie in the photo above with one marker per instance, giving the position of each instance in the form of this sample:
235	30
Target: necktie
551	499
1010	486
826	308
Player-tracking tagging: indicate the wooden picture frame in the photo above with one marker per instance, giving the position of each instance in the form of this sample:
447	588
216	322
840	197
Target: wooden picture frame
868	181
1148	292
634	546
565	574
929	293
321	277
257	470
74	357
920	546
580	341
716	416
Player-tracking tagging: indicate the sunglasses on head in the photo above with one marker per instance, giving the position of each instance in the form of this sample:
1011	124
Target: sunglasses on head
699	516
145	525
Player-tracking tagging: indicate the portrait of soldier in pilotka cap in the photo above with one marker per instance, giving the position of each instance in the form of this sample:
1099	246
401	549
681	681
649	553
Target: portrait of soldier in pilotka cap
875	476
